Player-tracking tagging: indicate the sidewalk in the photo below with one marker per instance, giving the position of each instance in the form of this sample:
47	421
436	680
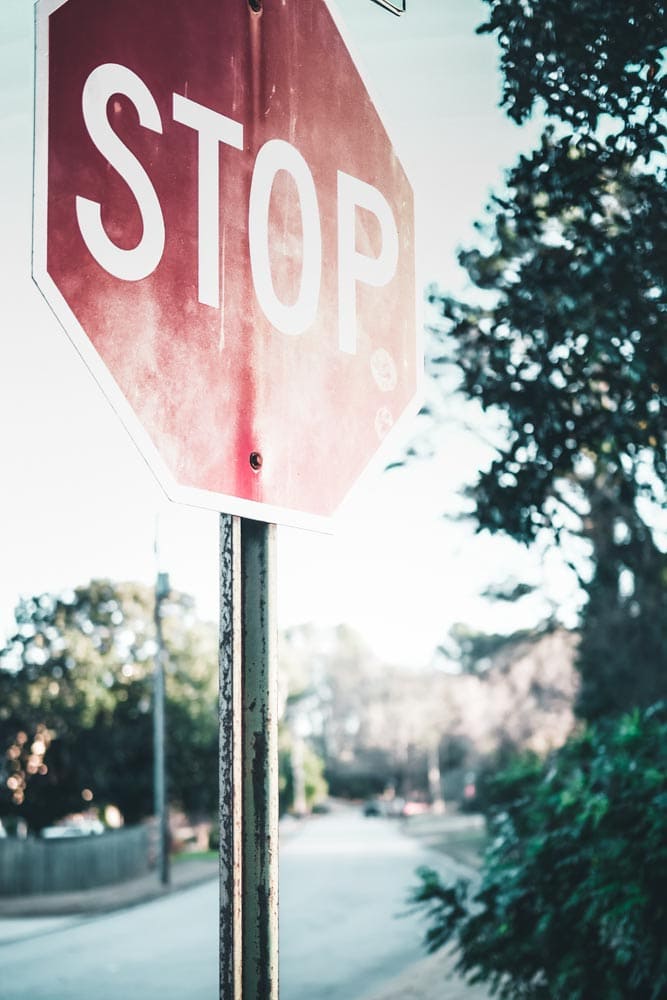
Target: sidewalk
185	872
106	898
460	836
432	978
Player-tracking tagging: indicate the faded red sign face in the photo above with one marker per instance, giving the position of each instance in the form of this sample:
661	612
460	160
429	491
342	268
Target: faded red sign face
224	230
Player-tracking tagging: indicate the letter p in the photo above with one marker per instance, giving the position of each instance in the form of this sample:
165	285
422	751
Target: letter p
356	267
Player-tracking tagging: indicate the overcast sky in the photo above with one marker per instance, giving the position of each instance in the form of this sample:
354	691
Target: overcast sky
76	498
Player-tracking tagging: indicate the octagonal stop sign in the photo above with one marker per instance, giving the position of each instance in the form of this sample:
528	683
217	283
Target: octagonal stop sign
224	230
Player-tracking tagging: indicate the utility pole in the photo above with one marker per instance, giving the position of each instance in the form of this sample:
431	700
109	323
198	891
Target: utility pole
159	763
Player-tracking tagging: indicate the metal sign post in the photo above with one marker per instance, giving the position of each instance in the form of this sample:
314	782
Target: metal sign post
248	762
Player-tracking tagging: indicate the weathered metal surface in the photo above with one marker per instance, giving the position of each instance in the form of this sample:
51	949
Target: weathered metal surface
304	351
248	762
230	750
260	750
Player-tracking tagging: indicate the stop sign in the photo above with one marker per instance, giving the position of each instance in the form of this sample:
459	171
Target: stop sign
225	232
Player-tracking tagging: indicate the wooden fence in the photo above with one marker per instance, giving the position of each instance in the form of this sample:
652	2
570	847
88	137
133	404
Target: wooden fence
35	866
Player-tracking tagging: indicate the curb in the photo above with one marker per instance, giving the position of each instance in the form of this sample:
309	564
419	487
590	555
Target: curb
108	898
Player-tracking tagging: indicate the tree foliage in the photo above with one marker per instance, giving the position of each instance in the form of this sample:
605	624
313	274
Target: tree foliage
565	339
580	60
622	654
76	697
571	902
566	342
378	727
572	348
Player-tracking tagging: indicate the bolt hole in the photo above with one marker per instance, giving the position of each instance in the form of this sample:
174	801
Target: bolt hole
256	461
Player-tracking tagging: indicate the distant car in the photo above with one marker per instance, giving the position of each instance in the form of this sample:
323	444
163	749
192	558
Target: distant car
373	807
414	808
395	806
57	832
470	787
86	828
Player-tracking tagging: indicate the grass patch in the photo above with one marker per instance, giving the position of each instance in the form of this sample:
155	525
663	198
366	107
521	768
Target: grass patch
195	856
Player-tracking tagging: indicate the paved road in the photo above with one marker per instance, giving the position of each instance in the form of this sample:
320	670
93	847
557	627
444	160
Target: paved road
343	885
344	928
164	950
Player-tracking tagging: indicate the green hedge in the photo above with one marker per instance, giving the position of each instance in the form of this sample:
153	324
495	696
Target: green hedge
572	899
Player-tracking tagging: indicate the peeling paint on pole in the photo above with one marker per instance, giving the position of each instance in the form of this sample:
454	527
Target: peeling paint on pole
260	751
230	751
248	762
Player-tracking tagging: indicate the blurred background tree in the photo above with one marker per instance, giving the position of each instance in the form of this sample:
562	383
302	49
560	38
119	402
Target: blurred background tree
563	342
76	698
381	729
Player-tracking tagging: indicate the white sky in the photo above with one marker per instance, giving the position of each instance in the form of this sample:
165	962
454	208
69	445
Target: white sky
77	500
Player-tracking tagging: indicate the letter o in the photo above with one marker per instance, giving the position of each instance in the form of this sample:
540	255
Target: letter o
275	155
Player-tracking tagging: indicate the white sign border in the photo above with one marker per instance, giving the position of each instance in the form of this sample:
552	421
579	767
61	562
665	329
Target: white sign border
222	503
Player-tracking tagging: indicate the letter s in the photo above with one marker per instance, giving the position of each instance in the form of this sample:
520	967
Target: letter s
139	262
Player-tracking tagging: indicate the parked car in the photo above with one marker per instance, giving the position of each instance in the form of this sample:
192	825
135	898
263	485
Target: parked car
414	807
374	807
85	828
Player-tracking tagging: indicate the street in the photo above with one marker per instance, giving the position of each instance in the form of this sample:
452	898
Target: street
344	928
163	950
344	880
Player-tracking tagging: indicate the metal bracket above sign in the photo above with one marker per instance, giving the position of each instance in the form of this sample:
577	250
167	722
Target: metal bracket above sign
395	8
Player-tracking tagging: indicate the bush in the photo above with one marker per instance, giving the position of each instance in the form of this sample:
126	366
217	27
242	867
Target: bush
572	899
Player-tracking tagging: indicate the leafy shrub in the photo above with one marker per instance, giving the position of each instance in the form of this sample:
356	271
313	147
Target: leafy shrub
572	899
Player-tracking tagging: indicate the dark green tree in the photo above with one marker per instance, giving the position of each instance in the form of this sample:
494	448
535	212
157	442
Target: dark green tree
571	901
566	340
75	705
622	655
580	60
571	348
191	709
568	345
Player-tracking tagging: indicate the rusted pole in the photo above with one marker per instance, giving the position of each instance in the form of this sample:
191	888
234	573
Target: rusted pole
230	770
248	762
260	763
